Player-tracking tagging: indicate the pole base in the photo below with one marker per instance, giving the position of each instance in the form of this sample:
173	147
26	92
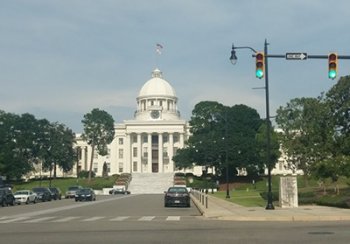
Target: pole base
270	206
228	196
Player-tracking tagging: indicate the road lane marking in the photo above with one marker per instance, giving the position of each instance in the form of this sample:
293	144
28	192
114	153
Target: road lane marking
38	220
66	219
120	218
13	220
146	218
173	218
92	219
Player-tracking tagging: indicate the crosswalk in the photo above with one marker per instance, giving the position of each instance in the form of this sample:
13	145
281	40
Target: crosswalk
65	219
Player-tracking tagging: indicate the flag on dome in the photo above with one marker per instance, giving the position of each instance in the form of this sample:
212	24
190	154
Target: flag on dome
159	48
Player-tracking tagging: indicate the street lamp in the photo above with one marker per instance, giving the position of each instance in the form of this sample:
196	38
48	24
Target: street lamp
233	59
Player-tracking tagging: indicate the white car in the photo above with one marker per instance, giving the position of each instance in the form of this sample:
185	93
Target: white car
25	196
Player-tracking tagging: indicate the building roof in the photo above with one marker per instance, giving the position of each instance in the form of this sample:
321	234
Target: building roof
157	87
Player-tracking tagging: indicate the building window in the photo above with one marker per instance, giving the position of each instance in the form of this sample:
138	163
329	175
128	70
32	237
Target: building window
121	152
95	167
165	138
145	139
134	151
108	167
120	167
108	153
134	138
120	141
145	152
134	164
176	138
165	152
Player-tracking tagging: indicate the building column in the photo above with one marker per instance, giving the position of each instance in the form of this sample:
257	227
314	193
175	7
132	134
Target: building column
182	141
139	153
149	153
160	153
171	151
126	157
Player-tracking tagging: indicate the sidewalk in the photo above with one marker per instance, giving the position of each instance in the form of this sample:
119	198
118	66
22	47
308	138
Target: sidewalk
220	209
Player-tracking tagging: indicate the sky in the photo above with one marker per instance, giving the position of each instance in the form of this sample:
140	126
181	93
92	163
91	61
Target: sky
59	59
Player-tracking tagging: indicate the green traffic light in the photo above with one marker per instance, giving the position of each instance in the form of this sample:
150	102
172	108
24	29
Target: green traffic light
259	73
332	74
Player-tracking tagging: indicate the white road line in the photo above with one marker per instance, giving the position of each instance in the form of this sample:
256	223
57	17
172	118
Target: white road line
173	218
66	219
146	218
120	218
92	219
13	220
38	220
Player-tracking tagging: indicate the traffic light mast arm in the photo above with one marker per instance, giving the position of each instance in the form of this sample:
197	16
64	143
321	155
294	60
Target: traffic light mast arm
308	56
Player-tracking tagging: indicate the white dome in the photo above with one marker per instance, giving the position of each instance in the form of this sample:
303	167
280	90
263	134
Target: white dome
157	87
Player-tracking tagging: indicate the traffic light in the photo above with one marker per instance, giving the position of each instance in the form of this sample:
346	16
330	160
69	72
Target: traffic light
332	65
260	65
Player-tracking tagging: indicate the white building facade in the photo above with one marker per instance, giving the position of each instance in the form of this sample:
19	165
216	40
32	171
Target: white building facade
147	143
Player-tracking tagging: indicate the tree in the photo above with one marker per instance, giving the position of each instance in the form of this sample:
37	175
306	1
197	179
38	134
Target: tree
223	137
304	132
98	132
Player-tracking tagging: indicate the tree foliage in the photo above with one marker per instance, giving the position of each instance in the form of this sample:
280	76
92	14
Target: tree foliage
223	137
316	132
26	142
98	132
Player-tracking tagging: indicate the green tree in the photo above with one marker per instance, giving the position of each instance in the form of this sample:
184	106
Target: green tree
98	132
222	136
304	132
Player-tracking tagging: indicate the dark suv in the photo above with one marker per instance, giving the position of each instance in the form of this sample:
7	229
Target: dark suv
6	197
55	193
43	193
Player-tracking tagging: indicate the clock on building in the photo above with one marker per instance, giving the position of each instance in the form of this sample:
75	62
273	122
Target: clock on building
155	114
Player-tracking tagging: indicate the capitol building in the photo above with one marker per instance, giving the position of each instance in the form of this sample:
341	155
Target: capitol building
146	143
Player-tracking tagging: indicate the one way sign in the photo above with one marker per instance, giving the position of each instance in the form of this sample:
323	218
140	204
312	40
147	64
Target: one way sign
296	56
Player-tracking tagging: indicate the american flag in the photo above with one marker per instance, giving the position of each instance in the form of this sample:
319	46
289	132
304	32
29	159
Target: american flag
159	48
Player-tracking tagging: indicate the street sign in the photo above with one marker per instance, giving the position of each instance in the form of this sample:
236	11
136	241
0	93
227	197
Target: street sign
296	56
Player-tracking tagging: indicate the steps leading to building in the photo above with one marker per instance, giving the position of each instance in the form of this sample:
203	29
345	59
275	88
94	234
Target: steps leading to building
147	183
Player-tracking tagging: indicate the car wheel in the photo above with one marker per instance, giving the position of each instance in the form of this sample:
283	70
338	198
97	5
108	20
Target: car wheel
13	203
27	201
34	201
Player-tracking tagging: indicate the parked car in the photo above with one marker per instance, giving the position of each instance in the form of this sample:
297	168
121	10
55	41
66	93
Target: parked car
115	191
55	193
70	193
43	193
6	197
177	196
85	194
25	196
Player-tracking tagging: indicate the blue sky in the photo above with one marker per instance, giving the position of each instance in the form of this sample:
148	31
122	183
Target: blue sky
59	59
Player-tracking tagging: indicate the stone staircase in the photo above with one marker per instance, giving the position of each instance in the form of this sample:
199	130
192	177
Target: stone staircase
147	183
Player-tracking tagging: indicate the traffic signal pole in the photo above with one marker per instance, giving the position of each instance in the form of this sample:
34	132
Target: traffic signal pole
287	56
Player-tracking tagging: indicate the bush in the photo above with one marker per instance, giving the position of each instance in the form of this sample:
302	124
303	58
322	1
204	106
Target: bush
85	174
275	196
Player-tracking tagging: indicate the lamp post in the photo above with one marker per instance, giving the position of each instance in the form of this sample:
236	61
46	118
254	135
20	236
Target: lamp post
233	60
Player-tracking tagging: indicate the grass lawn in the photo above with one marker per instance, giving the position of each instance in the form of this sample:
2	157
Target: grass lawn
244	198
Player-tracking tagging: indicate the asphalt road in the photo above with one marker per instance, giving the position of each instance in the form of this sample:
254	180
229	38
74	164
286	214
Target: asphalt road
143	219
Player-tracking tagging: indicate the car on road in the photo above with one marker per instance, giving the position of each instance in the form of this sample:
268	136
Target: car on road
25	196
177	196
85	194
43	193
70	193
6	197
56	193
116	191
